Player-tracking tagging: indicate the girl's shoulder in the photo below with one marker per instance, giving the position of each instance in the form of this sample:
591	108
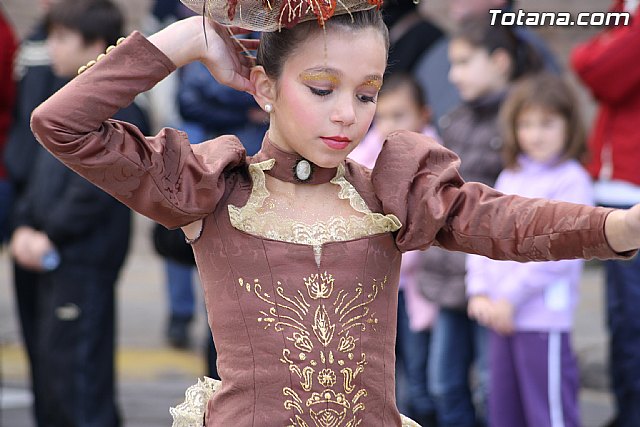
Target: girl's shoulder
406	144
406	154
359	176
407	157
415	170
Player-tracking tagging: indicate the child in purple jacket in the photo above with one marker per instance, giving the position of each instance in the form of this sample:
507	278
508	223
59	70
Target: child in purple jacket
529	306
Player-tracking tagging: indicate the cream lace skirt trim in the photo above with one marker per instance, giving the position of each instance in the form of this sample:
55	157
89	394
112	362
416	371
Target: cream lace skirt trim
190	413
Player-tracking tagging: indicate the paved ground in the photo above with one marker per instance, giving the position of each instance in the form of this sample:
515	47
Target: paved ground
153	377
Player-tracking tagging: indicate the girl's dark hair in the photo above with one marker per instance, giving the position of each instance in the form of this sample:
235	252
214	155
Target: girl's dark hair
400	80
549	92
93	19
276	47
479	32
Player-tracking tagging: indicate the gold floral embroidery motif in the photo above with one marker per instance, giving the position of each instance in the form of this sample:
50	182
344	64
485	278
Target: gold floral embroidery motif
323	350
190	413
255	220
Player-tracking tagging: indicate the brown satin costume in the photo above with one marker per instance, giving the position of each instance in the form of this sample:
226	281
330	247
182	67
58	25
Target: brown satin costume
304	319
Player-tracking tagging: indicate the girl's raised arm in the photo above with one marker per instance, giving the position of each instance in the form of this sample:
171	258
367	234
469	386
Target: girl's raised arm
160	177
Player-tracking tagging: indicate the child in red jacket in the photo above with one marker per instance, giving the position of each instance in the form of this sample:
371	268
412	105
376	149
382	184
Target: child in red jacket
8	47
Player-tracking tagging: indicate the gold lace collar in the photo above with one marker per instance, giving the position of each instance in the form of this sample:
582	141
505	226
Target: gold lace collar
256	221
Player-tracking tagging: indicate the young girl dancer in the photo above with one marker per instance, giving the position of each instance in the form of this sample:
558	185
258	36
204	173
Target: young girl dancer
298	248
529	306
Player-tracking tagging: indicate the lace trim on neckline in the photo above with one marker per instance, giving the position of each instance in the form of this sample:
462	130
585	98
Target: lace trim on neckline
272	226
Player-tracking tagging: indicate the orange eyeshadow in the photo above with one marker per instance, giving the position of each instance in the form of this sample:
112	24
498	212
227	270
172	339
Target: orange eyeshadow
377	83
314	76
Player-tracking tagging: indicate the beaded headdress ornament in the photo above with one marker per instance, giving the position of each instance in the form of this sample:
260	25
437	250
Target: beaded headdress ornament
273	15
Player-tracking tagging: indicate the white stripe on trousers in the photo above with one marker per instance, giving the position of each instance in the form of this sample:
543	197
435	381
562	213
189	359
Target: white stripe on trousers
554	379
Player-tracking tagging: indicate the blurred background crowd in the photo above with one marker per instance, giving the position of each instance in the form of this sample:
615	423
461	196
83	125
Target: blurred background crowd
101	318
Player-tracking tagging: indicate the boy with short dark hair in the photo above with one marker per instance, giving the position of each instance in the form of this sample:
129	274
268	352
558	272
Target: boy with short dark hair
79	31
74	238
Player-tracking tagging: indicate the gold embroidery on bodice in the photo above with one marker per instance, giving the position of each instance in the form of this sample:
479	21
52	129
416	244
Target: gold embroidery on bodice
190	413
322	327
259	220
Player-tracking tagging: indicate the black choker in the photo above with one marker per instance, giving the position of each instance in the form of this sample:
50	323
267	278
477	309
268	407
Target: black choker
291	167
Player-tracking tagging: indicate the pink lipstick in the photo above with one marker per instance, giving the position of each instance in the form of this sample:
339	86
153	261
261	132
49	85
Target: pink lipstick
336	142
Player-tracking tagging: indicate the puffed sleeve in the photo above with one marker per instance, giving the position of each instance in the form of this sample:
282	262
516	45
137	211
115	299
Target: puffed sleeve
161	177
417	180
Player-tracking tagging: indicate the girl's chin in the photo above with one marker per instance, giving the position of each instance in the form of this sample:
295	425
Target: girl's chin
325	157
330	161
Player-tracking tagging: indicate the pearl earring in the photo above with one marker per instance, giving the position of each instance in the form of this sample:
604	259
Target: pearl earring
268	108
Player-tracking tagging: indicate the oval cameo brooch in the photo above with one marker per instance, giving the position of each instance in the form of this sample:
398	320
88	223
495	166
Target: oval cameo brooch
303	170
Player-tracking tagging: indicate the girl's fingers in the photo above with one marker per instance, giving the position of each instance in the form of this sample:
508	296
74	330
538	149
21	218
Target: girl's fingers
242	83
248	60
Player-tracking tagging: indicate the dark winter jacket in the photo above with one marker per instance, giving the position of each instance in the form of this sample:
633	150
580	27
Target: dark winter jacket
36	83
87	225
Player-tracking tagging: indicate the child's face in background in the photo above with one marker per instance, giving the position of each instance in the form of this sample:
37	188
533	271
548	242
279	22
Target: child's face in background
397	110
475	72
541	133
69	51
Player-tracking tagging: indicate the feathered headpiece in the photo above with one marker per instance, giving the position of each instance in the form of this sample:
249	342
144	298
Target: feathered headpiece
272	15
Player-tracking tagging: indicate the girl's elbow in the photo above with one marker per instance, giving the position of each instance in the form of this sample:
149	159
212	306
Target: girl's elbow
40	124
47	129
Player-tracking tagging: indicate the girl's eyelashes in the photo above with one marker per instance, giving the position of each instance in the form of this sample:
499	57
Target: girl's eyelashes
327	92
366	98
320	92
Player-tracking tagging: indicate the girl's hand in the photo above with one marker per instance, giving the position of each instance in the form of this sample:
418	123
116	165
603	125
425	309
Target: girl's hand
227	57
633	224
622	229
502	317
223	55
480	308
